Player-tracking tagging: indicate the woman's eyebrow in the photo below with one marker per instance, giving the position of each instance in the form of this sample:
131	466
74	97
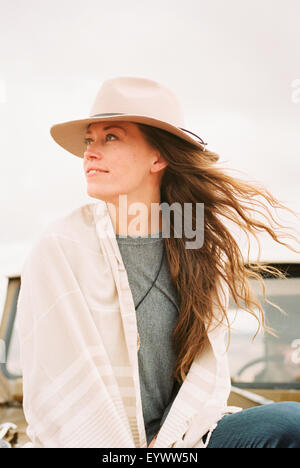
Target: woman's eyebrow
107	128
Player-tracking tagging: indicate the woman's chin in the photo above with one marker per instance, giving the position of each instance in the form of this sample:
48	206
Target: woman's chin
102	194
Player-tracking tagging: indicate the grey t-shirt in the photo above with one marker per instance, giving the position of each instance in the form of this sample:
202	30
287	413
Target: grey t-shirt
157	317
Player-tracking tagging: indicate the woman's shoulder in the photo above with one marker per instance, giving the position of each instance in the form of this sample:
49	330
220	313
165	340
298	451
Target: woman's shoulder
79	216
76	225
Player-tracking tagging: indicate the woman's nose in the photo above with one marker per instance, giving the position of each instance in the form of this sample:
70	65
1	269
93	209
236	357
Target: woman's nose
91	155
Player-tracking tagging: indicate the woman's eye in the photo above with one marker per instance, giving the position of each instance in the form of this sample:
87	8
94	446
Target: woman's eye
111	134
88	141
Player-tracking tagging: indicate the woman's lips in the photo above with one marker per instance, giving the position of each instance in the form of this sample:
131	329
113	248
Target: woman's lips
96	173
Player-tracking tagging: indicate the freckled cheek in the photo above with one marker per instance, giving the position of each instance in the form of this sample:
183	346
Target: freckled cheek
128	177
127	167
126	174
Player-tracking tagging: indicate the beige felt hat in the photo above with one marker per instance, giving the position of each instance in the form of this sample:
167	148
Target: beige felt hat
132	99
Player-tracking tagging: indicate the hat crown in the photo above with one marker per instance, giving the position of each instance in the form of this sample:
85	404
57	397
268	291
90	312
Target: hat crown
138	96
128	99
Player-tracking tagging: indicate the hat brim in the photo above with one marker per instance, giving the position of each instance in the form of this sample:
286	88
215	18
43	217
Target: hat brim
70	135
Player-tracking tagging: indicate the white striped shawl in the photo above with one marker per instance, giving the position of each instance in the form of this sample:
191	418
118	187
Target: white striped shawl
78	339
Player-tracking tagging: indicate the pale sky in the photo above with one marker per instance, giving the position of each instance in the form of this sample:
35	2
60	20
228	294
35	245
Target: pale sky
234	65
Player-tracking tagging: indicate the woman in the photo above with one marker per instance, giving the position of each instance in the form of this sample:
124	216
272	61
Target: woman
144	280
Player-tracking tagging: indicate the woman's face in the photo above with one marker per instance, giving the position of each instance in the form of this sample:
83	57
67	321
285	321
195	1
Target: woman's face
131	165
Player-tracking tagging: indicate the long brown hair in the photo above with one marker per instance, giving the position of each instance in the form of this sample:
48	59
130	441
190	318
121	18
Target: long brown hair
192	176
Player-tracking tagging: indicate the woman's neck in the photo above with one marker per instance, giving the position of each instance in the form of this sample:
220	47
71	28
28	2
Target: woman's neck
135	218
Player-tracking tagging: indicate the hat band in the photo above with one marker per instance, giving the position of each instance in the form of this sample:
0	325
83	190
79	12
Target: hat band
110	114
200	139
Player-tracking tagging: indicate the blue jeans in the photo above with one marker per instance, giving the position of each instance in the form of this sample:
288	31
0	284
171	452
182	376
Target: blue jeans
276	425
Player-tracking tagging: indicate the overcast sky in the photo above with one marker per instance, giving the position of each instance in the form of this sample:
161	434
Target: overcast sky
235	66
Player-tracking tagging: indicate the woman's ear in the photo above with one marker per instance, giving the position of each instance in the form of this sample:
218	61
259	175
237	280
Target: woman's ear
158	162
